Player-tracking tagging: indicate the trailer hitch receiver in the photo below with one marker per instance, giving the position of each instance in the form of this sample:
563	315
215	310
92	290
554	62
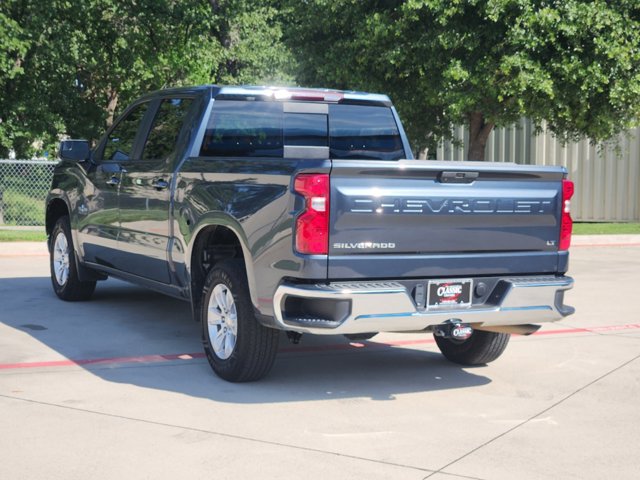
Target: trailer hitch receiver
454	329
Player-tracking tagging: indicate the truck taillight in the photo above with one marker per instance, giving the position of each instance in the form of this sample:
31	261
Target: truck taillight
566	223
312	225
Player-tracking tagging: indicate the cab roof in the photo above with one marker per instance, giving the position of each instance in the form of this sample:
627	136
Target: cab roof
303	94
250	92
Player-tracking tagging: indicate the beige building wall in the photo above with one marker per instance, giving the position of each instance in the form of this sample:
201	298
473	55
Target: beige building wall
607	177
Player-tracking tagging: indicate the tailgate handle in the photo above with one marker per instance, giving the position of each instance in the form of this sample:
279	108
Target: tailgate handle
458	177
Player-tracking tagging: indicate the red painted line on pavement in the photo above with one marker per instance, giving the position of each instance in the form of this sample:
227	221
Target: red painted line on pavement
564	331
606	328
606	245
145	359
612	328
103	361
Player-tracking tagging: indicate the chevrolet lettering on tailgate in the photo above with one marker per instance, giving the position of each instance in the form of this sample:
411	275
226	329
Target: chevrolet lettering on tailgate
436	206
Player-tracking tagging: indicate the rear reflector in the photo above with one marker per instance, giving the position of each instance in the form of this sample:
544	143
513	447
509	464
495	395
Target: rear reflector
312	225
566	223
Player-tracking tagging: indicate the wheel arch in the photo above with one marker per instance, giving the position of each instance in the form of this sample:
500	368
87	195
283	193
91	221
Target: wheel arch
212	243
56	208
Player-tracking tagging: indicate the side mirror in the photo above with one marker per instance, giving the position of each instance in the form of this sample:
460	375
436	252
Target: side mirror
74	150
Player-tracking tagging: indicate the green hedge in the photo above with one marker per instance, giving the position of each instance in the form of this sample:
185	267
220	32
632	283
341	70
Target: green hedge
21	209
23	190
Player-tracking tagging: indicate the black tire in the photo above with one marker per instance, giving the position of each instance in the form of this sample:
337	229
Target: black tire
482	347
248	353
67	284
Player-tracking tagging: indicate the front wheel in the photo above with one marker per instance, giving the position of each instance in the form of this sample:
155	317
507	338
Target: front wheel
238	348
64	274
480	348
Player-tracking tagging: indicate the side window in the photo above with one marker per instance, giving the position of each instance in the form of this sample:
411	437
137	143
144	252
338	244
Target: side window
166	127
363	131
239	128
119	144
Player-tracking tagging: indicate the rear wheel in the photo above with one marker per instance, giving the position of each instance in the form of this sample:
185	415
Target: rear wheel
238	348
64	273
480	348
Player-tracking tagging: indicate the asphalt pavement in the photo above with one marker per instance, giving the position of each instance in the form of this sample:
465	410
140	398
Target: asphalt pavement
117	387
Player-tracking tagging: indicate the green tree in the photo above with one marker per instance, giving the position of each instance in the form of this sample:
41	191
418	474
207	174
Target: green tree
574	64
13	47
76	63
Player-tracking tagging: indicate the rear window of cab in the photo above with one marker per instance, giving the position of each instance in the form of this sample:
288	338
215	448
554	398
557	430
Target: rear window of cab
243	128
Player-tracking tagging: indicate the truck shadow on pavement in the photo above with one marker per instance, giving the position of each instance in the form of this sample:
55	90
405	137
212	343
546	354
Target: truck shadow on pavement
149	340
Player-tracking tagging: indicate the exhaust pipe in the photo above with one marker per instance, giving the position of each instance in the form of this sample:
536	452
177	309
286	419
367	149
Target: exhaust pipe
515	329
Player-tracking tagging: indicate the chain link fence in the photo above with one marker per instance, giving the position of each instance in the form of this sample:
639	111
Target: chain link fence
23	189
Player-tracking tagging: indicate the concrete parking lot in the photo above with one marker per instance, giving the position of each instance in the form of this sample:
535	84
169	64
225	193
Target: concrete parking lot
117	388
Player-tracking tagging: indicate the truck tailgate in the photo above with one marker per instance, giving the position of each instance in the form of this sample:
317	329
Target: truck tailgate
425	218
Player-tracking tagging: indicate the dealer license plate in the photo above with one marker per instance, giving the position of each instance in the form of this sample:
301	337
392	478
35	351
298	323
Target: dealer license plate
449	294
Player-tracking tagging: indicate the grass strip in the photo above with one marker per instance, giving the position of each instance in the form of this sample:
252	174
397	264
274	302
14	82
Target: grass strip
584	228
22	236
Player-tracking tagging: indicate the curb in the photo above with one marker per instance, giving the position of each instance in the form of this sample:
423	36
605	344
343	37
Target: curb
605	240
23	249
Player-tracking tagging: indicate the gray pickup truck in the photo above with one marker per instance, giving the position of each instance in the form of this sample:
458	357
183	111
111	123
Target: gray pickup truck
303	210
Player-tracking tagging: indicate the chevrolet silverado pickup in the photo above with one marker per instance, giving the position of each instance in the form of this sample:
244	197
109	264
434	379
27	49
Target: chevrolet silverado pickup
303	210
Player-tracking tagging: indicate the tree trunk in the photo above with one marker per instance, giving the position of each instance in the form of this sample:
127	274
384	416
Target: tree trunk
222	32
479	130
112	103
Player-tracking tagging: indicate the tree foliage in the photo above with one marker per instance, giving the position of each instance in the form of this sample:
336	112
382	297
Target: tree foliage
574	64
70	66
13	47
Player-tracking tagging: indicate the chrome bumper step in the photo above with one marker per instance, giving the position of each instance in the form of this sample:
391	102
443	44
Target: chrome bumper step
389	307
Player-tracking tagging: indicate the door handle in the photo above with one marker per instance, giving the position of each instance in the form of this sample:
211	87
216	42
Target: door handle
160	184
113	181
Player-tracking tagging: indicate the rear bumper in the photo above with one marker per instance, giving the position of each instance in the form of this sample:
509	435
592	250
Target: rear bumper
361	307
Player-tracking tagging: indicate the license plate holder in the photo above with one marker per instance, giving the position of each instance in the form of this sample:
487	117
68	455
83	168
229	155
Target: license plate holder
451	294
